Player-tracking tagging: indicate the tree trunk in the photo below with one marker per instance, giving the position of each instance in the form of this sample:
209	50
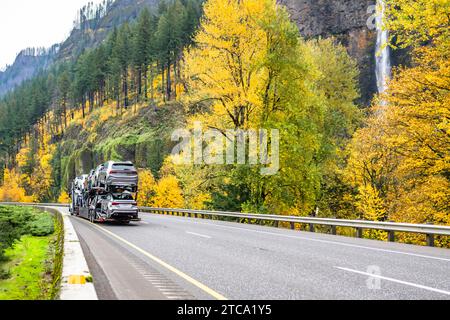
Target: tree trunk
175	79
83	106
146	83
169	82
118	103
139	84
163	83
91	102
152	91
65	113
125	89
101	95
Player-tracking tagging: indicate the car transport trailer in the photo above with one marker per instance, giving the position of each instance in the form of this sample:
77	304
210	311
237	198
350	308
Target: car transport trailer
101	204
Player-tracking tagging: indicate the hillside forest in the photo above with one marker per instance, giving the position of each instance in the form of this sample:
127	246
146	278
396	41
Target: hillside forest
243	65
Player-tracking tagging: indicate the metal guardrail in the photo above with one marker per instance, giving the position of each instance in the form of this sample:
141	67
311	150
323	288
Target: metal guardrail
58	205
429	230
391	227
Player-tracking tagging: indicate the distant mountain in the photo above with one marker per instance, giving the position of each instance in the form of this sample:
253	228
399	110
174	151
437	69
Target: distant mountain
89	33
27	64
91	28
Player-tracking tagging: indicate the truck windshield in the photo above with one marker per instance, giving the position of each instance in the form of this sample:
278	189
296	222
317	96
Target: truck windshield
122	166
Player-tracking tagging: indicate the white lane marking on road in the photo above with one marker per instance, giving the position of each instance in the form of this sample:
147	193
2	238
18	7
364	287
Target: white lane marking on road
198	235
181	274
396	281
143	222
318	240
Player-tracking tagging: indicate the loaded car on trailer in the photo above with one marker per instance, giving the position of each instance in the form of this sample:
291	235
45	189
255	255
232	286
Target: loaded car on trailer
118	175
119	206
76	194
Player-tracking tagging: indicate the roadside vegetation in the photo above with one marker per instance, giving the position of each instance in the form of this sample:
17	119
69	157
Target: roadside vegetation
30	251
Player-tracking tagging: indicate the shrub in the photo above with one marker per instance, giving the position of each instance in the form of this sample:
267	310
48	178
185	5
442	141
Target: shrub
42	225
4	274
16	222
13	225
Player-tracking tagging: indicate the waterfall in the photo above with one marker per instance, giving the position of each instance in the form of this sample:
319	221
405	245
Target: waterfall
383	58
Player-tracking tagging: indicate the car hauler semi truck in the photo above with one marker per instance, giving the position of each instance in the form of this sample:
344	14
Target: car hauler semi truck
106	203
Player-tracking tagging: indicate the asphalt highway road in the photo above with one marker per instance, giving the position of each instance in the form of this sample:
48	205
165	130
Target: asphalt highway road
166	257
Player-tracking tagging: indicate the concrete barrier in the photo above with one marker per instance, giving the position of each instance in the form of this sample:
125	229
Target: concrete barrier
76	280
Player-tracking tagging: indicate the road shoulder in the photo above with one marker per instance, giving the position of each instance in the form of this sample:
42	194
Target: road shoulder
76	281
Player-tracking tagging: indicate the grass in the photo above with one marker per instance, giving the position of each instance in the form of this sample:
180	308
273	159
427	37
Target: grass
30	262
28	268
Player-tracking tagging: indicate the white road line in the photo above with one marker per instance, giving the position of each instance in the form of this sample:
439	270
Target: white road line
198	235
143	222
319	240
396	281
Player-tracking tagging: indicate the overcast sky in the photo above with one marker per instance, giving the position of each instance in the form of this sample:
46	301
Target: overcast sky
34	23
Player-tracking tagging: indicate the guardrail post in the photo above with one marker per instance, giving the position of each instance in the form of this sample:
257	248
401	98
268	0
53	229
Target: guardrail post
333	230
312	227
292	226
359	232
391	236
430	238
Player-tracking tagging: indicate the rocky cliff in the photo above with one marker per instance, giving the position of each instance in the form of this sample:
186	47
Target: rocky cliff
28	63
119	12
349	21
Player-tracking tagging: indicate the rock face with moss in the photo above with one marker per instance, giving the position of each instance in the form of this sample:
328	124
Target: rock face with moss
143	137
348	21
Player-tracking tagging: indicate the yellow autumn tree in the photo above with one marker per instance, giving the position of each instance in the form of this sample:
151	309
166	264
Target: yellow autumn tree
249	68
64	198
195	182
224	67
415	23
147	187
41	177
403	154
168	194
11	191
